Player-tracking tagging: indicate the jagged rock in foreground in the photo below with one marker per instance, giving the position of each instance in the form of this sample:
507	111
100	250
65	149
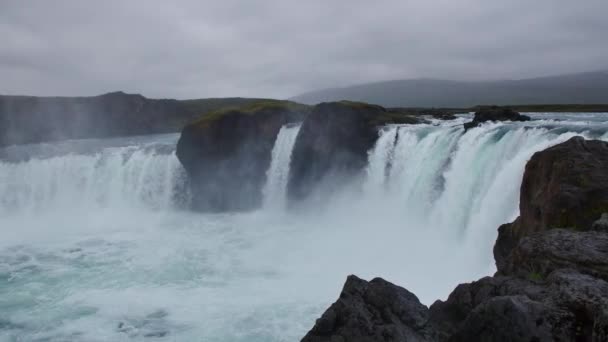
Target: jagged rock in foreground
551	284
334	141
495	114
372	311
226	153
546	298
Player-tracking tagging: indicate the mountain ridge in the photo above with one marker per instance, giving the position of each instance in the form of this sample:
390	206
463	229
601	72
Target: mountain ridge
576	88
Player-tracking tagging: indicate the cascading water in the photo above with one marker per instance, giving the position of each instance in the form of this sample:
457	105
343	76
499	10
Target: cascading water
120	177
275	190
463	185
94	245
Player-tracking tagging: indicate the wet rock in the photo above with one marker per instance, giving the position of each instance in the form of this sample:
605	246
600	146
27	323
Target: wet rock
542	253
495	114
507	318
226	153
333	143
564	186
371	311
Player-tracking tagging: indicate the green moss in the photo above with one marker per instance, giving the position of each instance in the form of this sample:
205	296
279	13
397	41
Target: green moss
251	109
360	105
535	276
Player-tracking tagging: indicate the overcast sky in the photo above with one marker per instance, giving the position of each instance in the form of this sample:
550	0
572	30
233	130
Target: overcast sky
279	48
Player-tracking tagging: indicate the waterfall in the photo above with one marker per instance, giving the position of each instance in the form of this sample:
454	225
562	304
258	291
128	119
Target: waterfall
132	177
275	190
461	184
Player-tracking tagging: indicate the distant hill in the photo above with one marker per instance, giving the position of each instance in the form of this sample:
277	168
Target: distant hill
29	119
582	88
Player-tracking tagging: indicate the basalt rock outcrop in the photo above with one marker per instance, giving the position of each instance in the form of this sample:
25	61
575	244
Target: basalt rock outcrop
372	311
495	114
227	153
30	119
563	186
551	282
333	143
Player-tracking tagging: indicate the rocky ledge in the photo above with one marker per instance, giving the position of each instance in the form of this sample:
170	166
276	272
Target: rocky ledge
551	282
227	152
495	114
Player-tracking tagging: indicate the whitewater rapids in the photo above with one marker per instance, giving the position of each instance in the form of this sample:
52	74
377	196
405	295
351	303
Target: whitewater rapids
97	244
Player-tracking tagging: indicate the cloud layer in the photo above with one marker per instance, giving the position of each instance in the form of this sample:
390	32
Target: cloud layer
279	48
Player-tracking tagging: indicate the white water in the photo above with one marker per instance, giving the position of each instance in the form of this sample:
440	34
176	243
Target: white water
275	190
126	177
107	255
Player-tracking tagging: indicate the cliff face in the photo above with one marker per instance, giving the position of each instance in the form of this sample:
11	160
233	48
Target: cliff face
333	144
227	153
28	119
563	186
551	284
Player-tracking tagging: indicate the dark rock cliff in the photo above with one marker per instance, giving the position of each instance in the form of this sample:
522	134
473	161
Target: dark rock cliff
563	186
226	153
333	143
551	284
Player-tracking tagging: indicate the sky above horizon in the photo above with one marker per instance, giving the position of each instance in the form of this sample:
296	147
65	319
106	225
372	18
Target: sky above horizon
281	48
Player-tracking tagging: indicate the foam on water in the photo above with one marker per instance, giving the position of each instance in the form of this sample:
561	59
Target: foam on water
95	246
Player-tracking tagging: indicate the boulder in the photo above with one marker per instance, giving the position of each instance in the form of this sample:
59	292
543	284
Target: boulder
333	143
371	311
563	186
226	153
555	289
495	114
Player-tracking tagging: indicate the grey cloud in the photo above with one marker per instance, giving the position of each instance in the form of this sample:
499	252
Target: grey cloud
279	48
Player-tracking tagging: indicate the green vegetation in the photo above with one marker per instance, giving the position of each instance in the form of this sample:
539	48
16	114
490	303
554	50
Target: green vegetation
201	106
253	107
535	276
360	105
